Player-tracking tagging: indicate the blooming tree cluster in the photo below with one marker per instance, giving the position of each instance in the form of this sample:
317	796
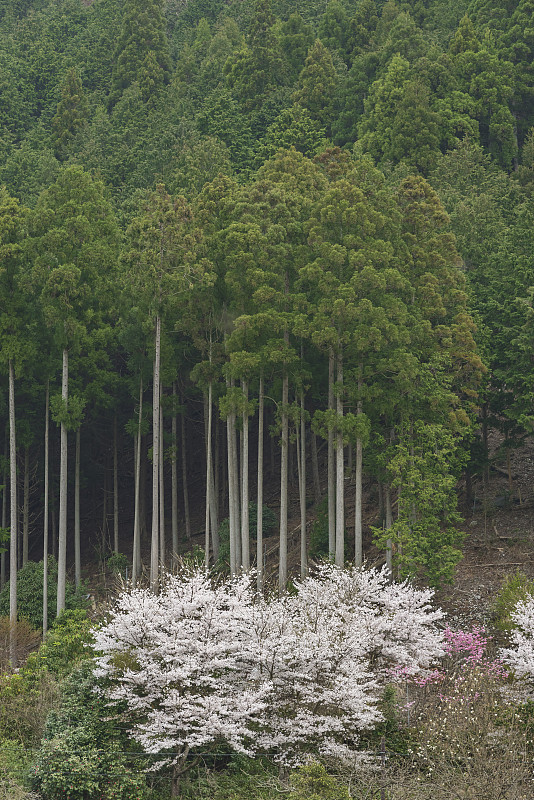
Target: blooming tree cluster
207	661
520	656
325	651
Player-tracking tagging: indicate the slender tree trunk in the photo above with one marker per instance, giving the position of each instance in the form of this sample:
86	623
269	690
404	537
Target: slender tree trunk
45	509
174	477
389	523
207	436
290	467
259	497
237	489
154	545
26	507
162	548
105	505
315	468
245	535
62	552
282	566
115	488
239	473
13	521
272	447
77	543
224	475
214	517
187	517
53	515
331	469
217	468
4	510
340	471
485	426
302	491
136	555
143	479
230	432
358	537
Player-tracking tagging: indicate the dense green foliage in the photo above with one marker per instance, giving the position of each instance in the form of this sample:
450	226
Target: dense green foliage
144	177
81	754
282	189
30	594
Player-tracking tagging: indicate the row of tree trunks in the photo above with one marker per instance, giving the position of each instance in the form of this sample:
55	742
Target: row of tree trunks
238	485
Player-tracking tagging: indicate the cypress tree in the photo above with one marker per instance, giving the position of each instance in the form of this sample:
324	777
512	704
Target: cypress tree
142	51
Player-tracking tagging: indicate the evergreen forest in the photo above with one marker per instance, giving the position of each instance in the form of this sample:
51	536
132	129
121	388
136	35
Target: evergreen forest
266	302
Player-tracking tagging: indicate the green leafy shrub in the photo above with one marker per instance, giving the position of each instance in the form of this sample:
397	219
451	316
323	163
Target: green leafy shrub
25	699
516	586
67	644
13	769
117	562
241	779
73	766
26	696
30	594
83	754
26	640
312	782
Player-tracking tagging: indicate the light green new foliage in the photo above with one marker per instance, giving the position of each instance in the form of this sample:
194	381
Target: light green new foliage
516	587
312	782
426	541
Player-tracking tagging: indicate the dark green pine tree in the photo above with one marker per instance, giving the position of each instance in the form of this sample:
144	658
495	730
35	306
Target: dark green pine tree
71	113
142	51
465	37
317	85
296	38
334	28
258	68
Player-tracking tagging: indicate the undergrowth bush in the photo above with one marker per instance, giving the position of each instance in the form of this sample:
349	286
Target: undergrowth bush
14	759
241	779
84	753
516	587
26	640
312	782
30	594
27	695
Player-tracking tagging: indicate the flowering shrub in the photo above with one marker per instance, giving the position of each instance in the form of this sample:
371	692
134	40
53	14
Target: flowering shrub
465	664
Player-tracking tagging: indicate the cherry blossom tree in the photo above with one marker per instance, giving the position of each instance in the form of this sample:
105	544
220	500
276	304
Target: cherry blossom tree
520	656
328	649
182	661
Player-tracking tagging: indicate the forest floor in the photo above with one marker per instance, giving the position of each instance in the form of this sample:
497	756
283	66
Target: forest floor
499	528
